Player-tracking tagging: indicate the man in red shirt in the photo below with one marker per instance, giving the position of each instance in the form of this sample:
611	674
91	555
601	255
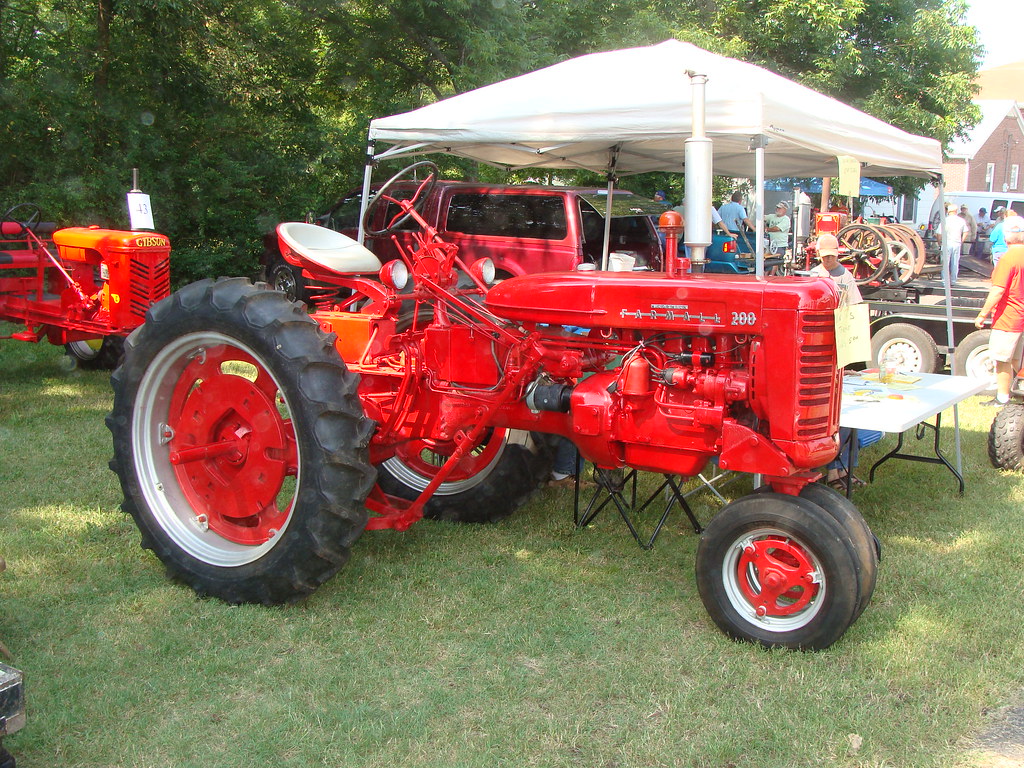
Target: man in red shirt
1005	302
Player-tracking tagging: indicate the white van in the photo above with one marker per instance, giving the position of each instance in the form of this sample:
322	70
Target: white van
975	200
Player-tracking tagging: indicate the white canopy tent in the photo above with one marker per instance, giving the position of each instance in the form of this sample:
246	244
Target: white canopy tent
637	101
630	111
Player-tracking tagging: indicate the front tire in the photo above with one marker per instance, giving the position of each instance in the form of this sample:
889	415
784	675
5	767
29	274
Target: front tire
779	571
1006	438
240	443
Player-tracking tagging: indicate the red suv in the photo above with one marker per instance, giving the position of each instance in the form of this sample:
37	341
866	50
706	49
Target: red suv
522	229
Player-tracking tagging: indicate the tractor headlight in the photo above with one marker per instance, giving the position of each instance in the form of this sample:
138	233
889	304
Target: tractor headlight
483	270
395	274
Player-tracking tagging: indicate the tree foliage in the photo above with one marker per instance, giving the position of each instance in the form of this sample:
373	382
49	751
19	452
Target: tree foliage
241	112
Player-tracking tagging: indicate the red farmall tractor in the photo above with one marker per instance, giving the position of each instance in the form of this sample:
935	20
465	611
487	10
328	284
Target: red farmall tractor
88	295
255	441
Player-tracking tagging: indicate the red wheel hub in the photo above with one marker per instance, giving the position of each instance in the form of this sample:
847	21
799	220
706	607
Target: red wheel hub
230	446
776	576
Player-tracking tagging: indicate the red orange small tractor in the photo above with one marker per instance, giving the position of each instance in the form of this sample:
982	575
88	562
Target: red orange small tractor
88	295
255	441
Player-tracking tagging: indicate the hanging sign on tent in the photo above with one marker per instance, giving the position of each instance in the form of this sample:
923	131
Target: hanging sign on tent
849	176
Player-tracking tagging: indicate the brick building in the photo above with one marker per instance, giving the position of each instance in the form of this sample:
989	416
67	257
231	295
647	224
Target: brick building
991	158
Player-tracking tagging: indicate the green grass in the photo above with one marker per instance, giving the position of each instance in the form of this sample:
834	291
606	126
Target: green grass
525	643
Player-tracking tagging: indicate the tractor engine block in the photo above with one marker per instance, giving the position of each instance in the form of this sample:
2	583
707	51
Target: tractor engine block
710	366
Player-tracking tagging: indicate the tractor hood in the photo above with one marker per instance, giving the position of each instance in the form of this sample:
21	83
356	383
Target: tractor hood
705	303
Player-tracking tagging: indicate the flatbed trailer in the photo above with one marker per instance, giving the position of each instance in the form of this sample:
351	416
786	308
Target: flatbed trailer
911	323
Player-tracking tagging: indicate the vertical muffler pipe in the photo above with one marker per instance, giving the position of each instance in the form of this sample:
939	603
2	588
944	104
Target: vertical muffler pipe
698	169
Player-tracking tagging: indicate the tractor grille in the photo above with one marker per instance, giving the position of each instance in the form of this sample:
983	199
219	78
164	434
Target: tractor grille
150	282
817	394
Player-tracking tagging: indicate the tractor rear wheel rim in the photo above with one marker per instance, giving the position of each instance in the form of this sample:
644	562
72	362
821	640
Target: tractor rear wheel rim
773	580
215	448
416	462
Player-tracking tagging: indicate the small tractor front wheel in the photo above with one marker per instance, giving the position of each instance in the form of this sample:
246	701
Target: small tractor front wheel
780	571
1006	438
240	443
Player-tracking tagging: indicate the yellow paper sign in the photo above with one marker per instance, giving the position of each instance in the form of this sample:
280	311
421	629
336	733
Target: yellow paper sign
853	334
849	176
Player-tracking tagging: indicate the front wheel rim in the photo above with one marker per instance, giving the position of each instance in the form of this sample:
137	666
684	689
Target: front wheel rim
773	580
215	450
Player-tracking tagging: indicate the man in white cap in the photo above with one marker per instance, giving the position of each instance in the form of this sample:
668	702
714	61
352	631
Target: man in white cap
777	226
1005	303
955	234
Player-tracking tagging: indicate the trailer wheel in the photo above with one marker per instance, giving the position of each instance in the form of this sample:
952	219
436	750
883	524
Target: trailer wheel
96	354
971	358
914	349
1006	438
780	571
488	485
240	443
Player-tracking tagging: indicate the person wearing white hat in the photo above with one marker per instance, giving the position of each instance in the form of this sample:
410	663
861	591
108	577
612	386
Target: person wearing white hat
777	226
955	235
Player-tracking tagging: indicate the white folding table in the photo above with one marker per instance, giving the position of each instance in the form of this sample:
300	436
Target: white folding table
908	402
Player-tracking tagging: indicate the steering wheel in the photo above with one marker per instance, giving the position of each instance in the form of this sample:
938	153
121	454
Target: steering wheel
34	216
418	199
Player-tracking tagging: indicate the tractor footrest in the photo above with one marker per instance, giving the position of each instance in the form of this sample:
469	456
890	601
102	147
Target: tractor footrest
392	512
25	336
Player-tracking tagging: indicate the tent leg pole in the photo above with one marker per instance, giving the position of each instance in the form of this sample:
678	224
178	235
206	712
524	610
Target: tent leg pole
367	176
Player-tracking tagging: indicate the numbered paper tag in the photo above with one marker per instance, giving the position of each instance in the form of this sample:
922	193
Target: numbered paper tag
139	213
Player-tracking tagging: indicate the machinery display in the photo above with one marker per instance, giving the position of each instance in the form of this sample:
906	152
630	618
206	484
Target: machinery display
255	440
82	287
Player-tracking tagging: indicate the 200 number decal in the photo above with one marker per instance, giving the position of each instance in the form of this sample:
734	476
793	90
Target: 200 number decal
744	318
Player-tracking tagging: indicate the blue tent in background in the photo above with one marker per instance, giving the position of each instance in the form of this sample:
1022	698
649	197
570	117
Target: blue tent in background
868	187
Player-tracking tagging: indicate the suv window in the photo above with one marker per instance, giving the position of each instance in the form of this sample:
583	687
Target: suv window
520	216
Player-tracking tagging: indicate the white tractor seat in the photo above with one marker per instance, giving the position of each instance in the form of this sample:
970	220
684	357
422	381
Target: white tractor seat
326	248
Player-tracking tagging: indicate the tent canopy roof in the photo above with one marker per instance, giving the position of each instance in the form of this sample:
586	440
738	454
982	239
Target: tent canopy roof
629	111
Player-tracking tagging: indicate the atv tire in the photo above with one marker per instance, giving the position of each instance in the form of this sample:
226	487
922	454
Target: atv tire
1006	438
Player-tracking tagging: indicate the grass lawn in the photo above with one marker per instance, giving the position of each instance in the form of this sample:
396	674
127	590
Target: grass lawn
525	643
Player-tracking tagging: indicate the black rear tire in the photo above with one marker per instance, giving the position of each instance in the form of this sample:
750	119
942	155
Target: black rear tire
498	477
1006	438
240	443
779	571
